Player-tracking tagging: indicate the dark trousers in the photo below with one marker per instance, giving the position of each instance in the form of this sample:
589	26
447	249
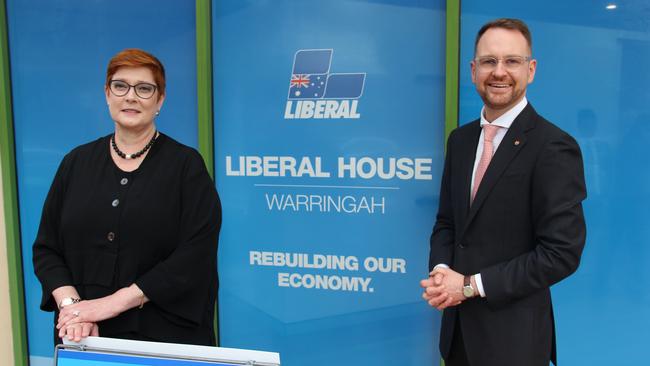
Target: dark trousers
457	354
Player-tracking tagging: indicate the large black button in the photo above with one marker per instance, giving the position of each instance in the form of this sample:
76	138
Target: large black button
115	202
110	236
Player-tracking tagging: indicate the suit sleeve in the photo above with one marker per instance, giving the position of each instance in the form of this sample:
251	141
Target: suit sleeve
185	281
47	252
558	189
442	238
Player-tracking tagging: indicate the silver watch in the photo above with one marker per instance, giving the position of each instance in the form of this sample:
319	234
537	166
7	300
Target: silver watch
468	290
68	301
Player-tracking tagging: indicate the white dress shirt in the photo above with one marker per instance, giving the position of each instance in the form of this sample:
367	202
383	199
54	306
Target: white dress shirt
504	121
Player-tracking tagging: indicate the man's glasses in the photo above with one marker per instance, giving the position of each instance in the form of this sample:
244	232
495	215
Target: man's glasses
143	90
511	63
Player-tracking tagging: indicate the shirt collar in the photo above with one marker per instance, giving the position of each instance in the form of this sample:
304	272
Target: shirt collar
506	119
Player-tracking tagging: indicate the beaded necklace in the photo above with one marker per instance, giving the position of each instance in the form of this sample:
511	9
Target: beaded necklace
135	155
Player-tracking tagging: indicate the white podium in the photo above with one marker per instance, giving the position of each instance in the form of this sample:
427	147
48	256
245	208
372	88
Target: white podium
99	351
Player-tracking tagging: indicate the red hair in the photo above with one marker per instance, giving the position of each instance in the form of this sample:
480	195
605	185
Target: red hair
135	57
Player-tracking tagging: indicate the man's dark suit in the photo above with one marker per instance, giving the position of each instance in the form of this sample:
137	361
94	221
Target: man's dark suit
524	232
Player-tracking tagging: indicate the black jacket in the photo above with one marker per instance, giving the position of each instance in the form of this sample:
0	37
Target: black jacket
103	229
524	232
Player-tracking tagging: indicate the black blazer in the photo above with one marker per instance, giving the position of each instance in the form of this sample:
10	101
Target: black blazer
103	229
524	232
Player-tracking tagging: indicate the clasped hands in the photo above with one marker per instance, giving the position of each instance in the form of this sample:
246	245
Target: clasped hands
443	288
77	321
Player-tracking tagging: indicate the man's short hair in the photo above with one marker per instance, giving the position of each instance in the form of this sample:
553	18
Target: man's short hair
506	23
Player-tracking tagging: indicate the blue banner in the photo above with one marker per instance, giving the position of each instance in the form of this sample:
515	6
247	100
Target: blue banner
329	136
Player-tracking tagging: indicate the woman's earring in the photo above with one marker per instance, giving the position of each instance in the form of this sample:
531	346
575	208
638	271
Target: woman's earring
157	113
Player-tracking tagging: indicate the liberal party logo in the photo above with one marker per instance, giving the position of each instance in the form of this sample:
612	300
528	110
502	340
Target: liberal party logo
315	92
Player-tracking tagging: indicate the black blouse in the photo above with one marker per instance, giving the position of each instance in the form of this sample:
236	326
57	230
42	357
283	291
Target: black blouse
103	229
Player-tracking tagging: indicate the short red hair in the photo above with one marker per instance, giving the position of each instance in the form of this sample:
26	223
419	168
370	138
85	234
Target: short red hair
135	57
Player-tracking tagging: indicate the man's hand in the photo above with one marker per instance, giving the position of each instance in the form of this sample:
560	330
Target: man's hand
452	284
444	288
432	293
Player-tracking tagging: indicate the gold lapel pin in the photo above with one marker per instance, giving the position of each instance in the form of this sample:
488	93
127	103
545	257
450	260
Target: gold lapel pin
517	142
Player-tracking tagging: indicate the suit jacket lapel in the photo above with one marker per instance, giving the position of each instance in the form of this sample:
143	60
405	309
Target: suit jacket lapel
467	167
512	143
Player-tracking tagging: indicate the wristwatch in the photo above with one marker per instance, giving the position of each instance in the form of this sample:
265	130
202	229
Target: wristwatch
468	290
68	301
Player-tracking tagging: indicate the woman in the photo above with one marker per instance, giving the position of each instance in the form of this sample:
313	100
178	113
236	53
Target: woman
127	242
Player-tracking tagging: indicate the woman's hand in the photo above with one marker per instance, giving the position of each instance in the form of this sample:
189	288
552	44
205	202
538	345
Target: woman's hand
93	311
88	311
75	332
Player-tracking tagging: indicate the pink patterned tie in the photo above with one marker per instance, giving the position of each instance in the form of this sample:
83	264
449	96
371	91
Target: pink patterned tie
489	131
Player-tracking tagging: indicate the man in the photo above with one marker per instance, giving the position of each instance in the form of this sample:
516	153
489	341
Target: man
510	221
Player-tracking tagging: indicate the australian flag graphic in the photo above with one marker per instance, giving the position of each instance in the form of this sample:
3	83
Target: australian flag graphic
311	78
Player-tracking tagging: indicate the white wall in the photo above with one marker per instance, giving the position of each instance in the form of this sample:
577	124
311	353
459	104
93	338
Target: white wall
6	342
